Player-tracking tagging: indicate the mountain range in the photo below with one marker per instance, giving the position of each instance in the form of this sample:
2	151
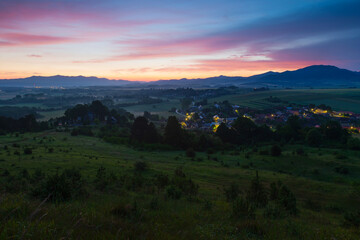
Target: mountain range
312	76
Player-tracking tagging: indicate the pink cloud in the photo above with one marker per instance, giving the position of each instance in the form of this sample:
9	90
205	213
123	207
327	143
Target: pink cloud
20	39
34	56
234	65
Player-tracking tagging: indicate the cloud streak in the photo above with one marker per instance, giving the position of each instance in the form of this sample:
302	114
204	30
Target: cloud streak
182	39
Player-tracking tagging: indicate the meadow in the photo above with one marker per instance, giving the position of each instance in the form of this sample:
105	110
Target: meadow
338	99
323	193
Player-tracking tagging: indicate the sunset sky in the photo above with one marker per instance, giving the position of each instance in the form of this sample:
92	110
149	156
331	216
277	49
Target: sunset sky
151	40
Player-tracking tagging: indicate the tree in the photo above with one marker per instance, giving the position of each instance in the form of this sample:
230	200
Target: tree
333	130
173	133
185	103
224	133
150	134
314	137
138	129
244	128
99	110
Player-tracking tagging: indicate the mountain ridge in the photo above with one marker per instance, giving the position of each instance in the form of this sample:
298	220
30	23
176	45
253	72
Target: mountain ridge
314	75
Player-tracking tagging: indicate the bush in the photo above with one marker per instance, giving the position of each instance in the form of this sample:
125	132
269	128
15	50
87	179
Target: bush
129	211
273	211
300	152
173	192
352	219
252	229
232	192
190	153
243	209
207	205
257	193
275	151
61	187
27	151
287	200
140	166
342	170
161	181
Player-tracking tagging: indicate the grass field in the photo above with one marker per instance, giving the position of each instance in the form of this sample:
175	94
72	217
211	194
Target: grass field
159	108
338	99
310	176
51	114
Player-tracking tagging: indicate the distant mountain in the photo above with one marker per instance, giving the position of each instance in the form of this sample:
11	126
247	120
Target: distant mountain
312	76
61	81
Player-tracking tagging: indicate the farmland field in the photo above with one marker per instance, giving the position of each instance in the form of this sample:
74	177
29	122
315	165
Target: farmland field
323	195
158	108
338	99
51	114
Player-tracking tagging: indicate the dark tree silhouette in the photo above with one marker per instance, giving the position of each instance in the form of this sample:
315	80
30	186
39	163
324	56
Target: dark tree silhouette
173	133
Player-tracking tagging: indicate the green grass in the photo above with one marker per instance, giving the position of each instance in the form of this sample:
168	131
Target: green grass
51	114
91	218
159	108
338	99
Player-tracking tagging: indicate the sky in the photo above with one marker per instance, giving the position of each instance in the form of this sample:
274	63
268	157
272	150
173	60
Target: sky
171	39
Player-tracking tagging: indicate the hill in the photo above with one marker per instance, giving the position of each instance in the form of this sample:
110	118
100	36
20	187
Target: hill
312	76
60	81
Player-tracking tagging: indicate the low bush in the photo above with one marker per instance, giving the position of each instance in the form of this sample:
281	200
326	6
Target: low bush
243	209
140	166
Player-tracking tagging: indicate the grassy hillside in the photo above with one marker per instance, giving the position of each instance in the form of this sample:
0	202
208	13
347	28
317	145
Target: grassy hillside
122	210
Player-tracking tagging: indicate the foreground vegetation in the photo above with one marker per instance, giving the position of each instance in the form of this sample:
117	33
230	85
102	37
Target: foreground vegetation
99	172
108	191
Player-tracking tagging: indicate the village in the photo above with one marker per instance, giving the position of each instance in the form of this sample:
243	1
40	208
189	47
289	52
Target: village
209	118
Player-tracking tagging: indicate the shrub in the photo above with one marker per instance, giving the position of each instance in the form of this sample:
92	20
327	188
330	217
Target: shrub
312	205
252	229
38	176
189	188
154	203
352	219
243	209
161	181
61	187
207	205
273	211
257	193
126	210
173	192
140	166
27	151
287	200
275	151
342	170
300	152
232	192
